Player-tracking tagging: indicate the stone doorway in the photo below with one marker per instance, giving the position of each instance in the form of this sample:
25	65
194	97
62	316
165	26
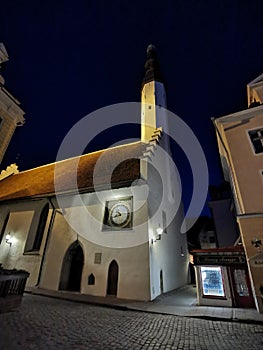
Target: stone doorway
71	272
113	275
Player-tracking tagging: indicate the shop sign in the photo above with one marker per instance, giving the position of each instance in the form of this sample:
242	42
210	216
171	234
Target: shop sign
218	260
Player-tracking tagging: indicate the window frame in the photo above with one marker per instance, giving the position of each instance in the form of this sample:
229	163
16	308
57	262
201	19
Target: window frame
251	140
36	232
3	228
212	296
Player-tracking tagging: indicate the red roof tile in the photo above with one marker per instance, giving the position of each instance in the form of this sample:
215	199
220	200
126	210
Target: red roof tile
116	167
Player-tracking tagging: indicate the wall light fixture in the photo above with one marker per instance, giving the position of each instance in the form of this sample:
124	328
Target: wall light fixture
8	239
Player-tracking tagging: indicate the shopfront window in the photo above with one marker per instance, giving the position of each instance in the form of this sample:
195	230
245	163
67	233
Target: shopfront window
241	283
212	281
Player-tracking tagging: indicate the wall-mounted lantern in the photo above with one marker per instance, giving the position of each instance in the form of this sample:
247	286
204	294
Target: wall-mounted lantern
159	232
9	239
257	243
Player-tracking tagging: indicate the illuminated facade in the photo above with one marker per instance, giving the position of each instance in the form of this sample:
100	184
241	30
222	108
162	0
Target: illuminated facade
240	142
120	242
11	115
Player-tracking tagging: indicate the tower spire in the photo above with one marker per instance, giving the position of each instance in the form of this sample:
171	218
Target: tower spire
153	96
152	66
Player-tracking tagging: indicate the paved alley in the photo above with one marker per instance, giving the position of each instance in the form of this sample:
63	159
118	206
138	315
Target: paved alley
47	323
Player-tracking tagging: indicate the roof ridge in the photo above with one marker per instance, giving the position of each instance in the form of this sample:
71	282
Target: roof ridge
80	156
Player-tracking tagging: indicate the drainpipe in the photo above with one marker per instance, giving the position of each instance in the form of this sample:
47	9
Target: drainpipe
51	222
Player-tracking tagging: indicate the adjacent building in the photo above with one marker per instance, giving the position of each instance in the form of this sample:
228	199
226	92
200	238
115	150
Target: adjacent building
11	115
240	142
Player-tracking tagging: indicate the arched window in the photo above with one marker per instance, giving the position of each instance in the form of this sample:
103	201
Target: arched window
2	229
91	280
41	227
36	232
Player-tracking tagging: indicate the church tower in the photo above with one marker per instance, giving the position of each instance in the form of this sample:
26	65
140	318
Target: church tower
153	97
11	115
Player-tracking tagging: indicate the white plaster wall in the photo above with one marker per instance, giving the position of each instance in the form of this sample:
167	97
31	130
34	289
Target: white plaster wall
128	247
170	253
133	281
60	238
148	111
153	109
19	223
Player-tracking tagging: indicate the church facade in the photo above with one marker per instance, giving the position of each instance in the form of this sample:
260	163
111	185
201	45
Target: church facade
120	239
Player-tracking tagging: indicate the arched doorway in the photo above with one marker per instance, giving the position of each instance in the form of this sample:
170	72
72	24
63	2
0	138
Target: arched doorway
113	275
161	281
70	278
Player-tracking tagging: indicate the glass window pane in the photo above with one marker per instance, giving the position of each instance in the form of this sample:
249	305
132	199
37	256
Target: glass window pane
256	137
212	281
241	283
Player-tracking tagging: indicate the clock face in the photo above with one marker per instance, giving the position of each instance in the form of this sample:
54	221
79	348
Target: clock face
120	215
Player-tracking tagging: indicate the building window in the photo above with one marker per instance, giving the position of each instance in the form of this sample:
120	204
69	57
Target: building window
2	232
41	227
97	258
164	221
91	280
241	283
256	138
35	235
212	281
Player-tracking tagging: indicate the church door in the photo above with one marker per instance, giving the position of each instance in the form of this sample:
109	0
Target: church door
113	278
71	272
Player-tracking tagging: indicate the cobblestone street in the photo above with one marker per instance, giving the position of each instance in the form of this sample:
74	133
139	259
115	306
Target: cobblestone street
45	323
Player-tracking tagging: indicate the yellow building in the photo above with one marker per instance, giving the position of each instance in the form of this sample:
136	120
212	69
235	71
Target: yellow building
11	115
240	142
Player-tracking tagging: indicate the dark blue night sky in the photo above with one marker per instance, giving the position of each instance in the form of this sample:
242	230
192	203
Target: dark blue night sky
69	58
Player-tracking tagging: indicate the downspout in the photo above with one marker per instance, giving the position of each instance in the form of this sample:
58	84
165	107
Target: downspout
51	222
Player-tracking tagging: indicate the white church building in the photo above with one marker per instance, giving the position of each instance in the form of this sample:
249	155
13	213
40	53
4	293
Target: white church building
74	230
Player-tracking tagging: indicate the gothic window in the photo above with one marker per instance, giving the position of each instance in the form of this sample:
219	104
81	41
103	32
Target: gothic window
2	229
41	227
91	280
97	258
36	233
164	221
256	138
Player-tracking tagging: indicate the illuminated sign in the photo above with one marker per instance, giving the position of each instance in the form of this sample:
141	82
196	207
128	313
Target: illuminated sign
212	281
219	259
